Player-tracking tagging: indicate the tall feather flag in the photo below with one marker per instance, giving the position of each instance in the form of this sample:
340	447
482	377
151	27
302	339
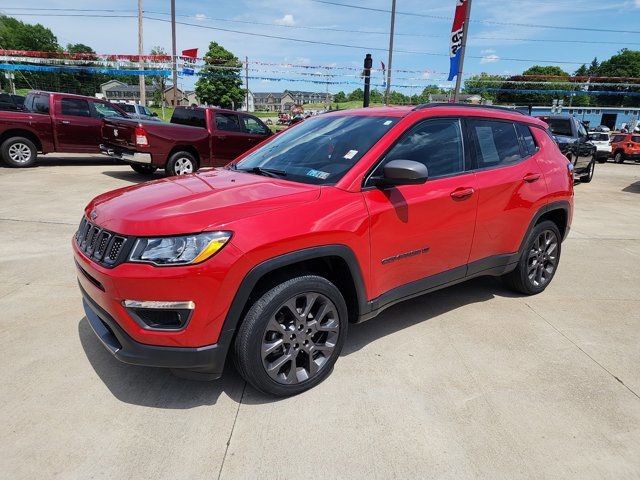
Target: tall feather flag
455	45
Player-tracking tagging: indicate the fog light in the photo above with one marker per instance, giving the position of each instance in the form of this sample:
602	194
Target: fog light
160	315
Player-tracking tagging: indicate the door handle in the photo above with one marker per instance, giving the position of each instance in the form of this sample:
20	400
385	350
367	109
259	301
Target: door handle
66	122
531	177
462	193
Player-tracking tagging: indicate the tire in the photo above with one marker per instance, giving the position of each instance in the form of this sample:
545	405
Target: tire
19	152
181	163
519	279
602	159
144	169
589	175
298	350
619	157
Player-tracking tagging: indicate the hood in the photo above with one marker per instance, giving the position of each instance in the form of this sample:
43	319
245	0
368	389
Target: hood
192	203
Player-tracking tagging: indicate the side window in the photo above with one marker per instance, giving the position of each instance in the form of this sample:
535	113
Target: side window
105	110
40	104
75	107
193	117
528	142
254	126
227	122
496	142
435	143
617	138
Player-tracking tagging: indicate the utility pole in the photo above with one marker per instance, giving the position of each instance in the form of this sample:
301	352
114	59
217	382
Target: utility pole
393	22
326	96
368	62
141	82
174	53
246	78
463	47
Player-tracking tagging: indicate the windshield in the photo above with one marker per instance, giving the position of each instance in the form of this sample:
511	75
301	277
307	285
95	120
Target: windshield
319	150
559	126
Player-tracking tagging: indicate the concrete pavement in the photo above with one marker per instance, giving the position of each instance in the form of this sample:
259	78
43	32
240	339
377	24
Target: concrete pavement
469	382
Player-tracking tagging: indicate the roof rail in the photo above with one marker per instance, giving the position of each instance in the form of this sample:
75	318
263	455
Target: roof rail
467	105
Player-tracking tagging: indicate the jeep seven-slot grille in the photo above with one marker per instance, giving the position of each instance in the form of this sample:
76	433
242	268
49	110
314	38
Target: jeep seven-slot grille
100	245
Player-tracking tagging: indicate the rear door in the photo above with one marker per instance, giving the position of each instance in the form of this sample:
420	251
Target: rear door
510	187
76	128
228	139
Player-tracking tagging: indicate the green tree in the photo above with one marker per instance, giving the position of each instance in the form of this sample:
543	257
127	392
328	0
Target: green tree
376	96
626	63
220	86
159	82
582	71
80	48
547	70
17	35
340	97
594	68
356	95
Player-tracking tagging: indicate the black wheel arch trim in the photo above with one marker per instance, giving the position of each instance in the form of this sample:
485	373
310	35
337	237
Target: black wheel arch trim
563	205
254	275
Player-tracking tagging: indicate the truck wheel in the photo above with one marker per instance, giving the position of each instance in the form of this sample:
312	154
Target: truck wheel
181	163
292	336
586	178
144	169
19	152
538	262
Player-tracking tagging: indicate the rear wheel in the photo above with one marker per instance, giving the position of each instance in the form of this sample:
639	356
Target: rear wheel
19	152
618	158
292	336
538	262
587	177
144	169
181	163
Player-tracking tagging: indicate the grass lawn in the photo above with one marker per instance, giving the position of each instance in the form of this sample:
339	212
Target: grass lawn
167	112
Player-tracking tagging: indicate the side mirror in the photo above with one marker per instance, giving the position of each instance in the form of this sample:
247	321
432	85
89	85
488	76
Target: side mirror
403	172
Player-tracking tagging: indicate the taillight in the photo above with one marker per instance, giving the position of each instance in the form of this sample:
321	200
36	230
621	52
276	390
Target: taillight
141	136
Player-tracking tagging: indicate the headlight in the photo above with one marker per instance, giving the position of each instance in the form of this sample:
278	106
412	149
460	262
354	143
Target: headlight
178	250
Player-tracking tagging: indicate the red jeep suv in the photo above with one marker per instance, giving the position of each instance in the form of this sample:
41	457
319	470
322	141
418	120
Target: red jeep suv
327	223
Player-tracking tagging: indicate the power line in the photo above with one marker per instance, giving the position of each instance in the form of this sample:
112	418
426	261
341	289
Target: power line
490	22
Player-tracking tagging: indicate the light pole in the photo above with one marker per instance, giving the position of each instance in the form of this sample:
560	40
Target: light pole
141	82
174	52
393	21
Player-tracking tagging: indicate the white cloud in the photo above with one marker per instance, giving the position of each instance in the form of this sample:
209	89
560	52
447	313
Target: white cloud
286	20
490	58
200	17
489	51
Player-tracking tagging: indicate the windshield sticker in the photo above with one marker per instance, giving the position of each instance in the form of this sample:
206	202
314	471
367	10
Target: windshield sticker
350	154
318	174
388	122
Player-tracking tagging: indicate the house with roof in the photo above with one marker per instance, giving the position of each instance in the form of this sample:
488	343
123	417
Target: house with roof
283	101
117	91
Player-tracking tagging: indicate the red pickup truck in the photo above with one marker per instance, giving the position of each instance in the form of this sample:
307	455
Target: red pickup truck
195	137
53	122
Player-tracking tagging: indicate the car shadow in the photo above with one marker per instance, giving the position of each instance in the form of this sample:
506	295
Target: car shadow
633	188
159	388
422	309
75	161
130	176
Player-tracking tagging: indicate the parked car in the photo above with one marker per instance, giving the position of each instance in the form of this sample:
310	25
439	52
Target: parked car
138	111
602	142
625	146
195	137
573	140
11	102
330	222
53	122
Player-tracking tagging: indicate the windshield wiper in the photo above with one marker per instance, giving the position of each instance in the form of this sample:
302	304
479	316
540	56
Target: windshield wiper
267	172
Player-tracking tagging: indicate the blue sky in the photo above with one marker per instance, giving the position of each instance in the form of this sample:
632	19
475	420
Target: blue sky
291	18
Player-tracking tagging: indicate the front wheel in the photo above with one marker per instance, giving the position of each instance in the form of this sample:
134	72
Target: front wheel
618	158
19	152
587	177
181	163
292	336
538	262
144	169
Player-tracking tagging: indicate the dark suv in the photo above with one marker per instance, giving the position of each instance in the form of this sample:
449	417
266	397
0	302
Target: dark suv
575	144
330	222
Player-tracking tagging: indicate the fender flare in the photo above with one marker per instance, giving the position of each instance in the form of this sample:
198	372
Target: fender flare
559	205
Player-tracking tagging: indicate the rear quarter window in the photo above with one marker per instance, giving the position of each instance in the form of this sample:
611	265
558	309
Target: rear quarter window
617	138
40	104
193	117
496	143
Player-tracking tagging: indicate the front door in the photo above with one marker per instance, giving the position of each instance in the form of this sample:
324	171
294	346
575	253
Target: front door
255	130
77	130
423	233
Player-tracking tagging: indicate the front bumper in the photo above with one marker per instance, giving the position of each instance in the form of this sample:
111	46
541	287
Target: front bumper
126	155
208	359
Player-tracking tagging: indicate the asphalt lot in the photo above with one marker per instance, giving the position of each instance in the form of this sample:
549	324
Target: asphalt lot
469	382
